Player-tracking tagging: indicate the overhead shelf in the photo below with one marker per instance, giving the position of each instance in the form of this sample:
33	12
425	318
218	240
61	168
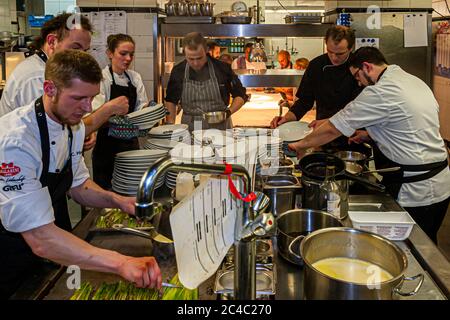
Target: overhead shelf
245	30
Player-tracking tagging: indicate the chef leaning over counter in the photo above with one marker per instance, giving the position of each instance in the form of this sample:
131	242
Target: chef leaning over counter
41	155
327	83
202	84
25	83
401	116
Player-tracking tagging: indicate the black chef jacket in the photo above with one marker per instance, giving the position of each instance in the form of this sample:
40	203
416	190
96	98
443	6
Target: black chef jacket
229	83
331	87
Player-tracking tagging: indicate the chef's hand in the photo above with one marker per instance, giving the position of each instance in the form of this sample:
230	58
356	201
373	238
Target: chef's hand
360	136
298	150
118	106
126	204
144	272
89	141
316	123
277	121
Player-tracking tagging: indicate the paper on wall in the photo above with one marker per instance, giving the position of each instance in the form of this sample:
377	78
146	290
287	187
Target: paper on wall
416	29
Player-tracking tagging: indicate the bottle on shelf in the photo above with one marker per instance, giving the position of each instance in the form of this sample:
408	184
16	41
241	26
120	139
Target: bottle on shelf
331	192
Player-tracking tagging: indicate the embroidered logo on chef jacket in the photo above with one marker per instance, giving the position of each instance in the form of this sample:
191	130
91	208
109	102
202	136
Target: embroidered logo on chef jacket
13	183
9	169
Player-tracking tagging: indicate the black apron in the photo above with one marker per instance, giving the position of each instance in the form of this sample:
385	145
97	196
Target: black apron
394	180
107	147
17	259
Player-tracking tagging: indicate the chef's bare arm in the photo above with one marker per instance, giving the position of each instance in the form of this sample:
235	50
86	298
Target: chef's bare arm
91	194
53	243
236	104
327	132
117	106
172	108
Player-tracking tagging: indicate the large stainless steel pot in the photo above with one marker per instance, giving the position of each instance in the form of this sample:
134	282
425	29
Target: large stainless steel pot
356	244
284	191
295	225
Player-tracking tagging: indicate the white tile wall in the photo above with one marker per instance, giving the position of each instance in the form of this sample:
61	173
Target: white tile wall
8	14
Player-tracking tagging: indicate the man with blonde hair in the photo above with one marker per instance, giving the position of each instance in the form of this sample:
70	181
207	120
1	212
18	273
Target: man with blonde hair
41	154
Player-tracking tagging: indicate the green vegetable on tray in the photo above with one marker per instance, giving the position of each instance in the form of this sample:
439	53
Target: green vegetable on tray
116	216
128	291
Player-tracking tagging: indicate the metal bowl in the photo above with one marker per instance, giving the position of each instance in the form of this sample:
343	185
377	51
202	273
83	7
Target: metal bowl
351	156
215	117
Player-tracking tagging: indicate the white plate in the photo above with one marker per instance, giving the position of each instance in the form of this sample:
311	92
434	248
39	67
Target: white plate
145	111
141	153
186	151
155	114
169	129
294	131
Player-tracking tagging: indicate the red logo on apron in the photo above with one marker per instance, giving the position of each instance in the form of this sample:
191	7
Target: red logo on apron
9	169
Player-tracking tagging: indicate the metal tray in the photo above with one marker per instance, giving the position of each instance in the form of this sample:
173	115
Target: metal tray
180	19
236	20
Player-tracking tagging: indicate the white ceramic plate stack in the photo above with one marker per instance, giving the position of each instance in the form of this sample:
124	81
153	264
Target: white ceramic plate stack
171	179
146	118
235	153
160	144
192	154
129	168
251	132
269	147
187	153
218	138
174	132
291	132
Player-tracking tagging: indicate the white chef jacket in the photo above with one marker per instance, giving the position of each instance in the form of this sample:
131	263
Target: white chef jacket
24	203
249	65
401	115
25	84
121	80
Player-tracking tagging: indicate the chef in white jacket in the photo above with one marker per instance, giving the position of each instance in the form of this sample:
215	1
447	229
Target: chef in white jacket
401	117
25	83
41	160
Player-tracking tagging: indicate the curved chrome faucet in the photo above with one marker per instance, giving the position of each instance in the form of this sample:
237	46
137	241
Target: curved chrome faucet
246	228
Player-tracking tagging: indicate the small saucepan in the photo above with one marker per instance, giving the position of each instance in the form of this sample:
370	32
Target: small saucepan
314	166
215	117
352	156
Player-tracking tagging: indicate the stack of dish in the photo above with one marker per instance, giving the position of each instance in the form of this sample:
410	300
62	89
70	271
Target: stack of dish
213	137
237	152
146	118
251	132
192	154
171	179
293	131
174	132
160	144
129	167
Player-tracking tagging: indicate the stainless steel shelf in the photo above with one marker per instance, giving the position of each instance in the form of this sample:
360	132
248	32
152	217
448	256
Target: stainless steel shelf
262	78
245	30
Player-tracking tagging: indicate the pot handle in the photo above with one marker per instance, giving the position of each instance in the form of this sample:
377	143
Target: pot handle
398	288
291	251
366	182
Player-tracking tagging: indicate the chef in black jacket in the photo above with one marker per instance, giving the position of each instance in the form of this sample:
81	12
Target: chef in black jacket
203	84
327	82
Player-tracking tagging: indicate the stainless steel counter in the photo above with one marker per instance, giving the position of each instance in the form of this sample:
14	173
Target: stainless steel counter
423	257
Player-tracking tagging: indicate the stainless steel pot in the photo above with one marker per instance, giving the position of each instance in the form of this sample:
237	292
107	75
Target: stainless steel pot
284	192
295	225
352	156
314	167
354	244
207	9
194	9
181	8
170	8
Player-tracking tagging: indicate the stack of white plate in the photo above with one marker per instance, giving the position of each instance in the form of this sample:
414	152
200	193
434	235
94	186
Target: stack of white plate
236	153
192	154
160	144
251	132
171	179
216	138
129	168
291	132
174	132
146	118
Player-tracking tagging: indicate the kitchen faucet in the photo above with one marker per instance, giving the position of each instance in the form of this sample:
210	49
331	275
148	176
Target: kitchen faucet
248	226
